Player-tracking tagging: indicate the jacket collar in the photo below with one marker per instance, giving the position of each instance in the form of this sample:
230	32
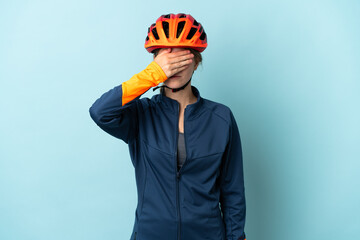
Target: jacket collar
191	109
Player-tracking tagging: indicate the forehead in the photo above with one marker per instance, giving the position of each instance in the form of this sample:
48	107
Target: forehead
177	49
174	49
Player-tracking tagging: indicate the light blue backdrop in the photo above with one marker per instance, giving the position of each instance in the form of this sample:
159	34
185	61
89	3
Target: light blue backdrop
289	70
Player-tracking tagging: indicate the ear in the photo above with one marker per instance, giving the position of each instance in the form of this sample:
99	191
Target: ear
196	66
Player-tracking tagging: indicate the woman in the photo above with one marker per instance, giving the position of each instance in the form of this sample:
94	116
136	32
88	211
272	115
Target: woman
185	149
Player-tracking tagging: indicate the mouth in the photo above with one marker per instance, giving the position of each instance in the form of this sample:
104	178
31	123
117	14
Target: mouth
175	76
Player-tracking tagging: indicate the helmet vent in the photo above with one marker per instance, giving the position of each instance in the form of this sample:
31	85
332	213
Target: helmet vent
154	32
180	27
167	16
183	16
203	36
147	38
195	23
165	26
191	33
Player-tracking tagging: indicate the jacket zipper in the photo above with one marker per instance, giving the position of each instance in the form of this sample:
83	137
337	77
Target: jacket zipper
177	200
184	145
177	174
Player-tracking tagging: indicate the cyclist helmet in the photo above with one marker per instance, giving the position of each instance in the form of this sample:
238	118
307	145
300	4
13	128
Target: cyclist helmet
180	30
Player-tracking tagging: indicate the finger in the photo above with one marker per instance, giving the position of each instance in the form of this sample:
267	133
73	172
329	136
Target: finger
182	63
178	54
177	67
167	50
180	69
182	58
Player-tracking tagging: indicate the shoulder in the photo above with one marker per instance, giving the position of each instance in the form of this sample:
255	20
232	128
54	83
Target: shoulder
220	110
147	103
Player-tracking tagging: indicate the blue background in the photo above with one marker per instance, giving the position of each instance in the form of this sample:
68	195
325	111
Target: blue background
289	70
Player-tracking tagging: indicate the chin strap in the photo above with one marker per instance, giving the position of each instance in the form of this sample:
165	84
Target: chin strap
173	89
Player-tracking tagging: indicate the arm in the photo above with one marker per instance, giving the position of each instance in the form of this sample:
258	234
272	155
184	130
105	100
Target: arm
232	193
116	111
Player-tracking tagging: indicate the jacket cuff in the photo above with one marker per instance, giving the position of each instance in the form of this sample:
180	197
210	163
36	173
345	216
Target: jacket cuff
159	70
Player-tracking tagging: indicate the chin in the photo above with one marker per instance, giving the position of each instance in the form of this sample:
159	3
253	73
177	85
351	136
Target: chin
173	83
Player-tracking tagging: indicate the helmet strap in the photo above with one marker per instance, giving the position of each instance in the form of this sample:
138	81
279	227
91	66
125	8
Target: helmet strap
174	89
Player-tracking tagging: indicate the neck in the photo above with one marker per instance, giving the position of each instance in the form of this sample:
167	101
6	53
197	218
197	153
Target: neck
184	96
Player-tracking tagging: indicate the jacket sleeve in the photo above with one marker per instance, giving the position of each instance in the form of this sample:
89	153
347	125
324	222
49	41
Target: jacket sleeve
117	110
232	189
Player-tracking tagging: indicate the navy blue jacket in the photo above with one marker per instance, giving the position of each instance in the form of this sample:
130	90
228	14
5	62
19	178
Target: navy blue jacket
205	199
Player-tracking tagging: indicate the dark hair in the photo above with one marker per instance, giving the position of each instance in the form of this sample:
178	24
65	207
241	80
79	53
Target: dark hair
197	58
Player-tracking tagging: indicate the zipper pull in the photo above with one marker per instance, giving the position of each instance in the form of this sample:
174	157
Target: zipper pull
177	174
